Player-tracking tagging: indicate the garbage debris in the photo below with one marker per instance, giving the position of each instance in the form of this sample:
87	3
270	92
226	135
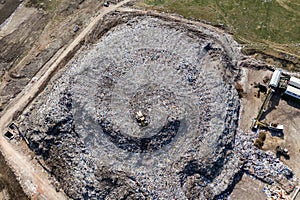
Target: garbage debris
153	70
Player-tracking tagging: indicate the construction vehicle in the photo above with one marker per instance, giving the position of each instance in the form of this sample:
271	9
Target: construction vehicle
262	88
276	127
280	151
141	119
106	4
264	105
270	126
256	123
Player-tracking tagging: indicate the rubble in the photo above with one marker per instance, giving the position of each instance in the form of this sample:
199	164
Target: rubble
260	164
84	124
275	193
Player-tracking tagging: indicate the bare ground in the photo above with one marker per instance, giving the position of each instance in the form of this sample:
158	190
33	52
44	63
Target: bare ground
250	103
9	186
248	188
288	114
282	111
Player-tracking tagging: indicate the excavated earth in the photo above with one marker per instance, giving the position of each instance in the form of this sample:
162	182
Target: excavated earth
180	76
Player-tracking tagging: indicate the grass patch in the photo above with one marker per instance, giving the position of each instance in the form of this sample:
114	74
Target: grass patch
271	24
48	5
256	20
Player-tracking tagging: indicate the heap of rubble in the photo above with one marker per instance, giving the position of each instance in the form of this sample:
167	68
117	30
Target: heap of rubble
181	77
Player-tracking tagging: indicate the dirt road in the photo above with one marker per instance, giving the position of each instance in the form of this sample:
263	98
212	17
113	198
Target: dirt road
37	182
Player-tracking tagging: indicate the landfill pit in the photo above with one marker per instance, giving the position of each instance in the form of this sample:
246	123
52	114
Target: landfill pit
84	124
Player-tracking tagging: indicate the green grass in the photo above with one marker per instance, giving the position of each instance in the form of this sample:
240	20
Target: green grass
251	19
254	22
48	5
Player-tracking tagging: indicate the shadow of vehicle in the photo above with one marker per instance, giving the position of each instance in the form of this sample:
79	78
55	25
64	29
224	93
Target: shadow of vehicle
292	101
273	103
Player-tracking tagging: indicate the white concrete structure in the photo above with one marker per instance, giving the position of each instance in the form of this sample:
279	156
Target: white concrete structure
275	78
292	91
295	82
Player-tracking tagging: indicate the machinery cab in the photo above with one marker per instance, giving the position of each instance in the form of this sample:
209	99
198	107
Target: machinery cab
280	151
141	118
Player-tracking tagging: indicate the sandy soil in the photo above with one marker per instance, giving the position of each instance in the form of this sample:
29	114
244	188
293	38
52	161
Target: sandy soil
248	188
16	19
250	103
288	114
7	8
285	112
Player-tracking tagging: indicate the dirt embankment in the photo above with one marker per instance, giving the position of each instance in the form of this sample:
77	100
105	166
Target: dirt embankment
7	7
9	186
26	47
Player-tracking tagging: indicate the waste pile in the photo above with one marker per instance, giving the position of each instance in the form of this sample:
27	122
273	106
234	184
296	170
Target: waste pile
275	192
263	165
260	164
181	78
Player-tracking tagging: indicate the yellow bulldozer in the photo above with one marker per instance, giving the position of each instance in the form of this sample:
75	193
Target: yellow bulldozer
141	118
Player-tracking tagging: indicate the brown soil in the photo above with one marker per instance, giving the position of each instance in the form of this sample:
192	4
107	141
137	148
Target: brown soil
281	111
9	182
248	188
251	103
7	8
